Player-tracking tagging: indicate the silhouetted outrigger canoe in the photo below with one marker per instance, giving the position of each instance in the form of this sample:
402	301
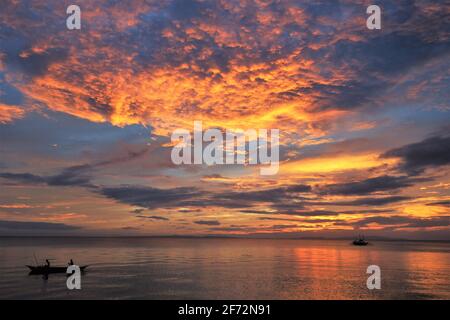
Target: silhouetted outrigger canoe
49	270
360	242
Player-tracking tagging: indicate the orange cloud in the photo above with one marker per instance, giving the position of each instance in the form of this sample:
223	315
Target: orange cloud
105	82
336	163
9	113
15	206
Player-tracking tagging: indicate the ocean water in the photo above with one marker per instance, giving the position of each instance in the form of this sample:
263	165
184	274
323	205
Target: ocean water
183	268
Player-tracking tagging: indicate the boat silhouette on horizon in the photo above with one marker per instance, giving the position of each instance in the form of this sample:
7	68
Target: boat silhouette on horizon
360	241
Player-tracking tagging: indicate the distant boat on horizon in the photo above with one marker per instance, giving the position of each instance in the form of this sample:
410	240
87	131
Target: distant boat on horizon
360	241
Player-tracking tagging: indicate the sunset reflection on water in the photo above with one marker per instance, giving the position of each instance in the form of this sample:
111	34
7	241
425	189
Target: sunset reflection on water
152	268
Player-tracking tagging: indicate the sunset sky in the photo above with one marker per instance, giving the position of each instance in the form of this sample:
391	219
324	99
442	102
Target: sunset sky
86	117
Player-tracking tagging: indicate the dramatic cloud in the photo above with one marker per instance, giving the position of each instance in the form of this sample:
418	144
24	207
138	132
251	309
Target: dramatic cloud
94	109
401	222
35	226
383	183
73	176
416	157
79	175
153	217
9	113
249	64
373	201
208	222
151	198
23	177
440	203
273	194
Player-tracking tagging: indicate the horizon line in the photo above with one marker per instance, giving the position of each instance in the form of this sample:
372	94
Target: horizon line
219	237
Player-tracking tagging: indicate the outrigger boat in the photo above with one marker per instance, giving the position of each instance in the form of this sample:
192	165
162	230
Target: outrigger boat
360	242
47	270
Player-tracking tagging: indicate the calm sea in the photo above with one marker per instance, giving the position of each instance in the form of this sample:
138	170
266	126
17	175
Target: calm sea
176	268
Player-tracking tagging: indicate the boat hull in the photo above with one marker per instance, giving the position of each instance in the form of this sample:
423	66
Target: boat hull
49	270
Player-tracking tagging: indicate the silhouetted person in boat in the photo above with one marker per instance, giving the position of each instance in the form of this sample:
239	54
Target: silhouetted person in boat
48	263
71	262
